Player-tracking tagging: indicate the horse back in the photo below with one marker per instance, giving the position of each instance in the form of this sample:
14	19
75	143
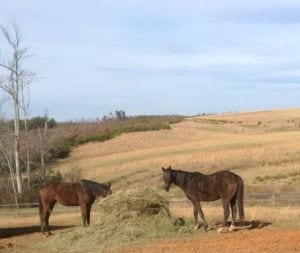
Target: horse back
225	182
69	194
211	187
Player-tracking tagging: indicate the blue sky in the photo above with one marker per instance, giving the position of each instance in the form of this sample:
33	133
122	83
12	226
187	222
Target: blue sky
159	57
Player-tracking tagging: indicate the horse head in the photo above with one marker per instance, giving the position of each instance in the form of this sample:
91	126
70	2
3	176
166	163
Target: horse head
97	189
107	189
167	176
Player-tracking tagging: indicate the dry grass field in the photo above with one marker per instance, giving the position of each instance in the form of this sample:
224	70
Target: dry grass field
262	147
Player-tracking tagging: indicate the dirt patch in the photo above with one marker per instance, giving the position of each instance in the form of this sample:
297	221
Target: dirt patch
264	240
21	234
23	239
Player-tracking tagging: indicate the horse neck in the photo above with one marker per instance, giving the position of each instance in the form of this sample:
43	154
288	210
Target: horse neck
92	198
178	178
99	192
94	190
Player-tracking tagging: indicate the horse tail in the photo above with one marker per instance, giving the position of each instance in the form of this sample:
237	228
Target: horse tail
240	199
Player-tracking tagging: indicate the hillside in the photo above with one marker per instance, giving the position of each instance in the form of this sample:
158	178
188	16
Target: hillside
263	147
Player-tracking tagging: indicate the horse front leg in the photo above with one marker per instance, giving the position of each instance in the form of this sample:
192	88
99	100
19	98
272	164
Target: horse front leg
198	211
83	208
205	225
88	214
195	210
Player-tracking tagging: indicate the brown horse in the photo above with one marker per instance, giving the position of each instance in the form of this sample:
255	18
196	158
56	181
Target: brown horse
81	194
197	187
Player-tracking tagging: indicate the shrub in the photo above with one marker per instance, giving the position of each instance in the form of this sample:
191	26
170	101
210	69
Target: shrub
68	135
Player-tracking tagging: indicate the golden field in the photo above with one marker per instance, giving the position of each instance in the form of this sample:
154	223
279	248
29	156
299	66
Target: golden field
263	147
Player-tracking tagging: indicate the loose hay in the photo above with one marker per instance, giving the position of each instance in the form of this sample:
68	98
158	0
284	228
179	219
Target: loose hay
127	217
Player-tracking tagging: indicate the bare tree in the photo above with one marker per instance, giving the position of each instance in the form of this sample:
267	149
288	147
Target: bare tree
25	104
5	149
15	81
43	144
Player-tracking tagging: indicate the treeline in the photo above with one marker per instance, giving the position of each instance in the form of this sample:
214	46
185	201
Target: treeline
62	136
57	140
33	123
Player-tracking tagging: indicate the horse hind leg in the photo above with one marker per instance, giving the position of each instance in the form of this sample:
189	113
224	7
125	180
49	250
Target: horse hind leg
233	213
225	203
44	219
47	208
43	224
51	205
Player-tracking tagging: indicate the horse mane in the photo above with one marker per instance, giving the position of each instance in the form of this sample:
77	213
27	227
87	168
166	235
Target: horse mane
187	172
91	185
180	176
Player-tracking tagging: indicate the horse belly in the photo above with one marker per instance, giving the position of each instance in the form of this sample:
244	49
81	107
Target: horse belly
73	201
204	196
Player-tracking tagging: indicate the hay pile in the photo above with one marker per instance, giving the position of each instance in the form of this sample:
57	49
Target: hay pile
135	203
129	217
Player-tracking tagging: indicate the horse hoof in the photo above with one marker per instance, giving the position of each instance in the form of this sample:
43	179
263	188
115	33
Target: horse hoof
48	234
196	227
222	230
208	228
232	228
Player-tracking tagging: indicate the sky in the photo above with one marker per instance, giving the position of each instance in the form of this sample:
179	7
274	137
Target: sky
157	57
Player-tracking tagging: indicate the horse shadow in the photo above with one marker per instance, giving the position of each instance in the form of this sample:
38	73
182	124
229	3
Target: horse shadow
255	224
17	231
246	225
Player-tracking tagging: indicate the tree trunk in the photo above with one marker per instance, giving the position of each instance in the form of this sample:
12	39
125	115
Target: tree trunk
17	146
27	153
41	139
12	177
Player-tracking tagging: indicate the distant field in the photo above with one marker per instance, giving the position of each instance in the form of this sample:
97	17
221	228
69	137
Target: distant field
263	147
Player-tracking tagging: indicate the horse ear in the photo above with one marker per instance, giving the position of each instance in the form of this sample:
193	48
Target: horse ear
108	184
163	169
170	167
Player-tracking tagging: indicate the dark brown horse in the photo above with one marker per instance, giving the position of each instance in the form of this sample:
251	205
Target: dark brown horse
197	187
81	194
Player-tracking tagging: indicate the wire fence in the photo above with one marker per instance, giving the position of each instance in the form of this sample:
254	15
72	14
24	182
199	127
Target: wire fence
274	198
